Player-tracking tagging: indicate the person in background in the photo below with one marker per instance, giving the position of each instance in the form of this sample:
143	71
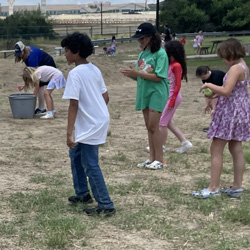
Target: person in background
214	77
174	37
152	89
34	57
195	44
112	48
200	39
167	33
230	122
89	115
183	40
34	76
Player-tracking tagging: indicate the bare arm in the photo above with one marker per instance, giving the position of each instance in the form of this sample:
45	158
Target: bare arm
125	72
72	111
36	89
106	97
133	73
235	73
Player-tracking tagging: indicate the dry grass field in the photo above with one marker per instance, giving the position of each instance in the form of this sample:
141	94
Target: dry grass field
154	208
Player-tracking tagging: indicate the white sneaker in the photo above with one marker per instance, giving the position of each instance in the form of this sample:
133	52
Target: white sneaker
185	146
163	148
47	116
205	193
156	165
144	164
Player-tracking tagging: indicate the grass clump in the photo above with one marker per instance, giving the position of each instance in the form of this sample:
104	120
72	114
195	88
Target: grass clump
240	212
40	202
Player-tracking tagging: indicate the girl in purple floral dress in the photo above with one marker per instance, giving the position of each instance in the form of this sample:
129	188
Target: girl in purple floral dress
231	120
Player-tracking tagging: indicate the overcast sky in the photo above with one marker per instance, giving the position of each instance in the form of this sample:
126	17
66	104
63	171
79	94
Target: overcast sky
35	2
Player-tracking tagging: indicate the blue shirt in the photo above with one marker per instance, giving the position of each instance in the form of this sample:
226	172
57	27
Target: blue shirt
38	57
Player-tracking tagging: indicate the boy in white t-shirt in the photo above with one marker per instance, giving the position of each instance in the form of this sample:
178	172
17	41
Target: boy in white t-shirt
88	113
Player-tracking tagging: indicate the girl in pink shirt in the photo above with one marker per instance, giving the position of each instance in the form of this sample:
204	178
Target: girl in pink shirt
176	72
34	76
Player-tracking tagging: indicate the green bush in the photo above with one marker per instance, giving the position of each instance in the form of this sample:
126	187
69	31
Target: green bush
24	26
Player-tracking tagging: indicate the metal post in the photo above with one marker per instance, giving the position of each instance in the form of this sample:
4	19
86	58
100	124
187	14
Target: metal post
157	14
91	31
101	19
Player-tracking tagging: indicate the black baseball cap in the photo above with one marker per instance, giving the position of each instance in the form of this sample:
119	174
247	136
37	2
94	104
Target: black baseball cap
145	29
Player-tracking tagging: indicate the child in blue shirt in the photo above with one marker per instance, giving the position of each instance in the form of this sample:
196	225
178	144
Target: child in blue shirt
34	57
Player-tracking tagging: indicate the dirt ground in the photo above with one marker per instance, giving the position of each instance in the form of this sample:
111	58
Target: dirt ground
25	141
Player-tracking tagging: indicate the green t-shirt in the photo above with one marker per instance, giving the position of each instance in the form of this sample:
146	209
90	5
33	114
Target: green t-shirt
150	94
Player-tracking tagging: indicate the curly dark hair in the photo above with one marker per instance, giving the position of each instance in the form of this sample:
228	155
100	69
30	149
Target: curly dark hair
231	49
176	50
78	42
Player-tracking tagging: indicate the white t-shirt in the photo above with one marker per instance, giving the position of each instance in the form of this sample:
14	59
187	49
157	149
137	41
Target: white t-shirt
200	39
195	41
85	84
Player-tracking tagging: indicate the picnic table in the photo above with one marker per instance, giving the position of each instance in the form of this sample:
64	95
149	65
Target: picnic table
214	46
59	50
204	50
7	53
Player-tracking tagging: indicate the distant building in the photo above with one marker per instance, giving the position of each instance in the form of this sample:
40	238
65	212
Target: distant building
125	8
74	9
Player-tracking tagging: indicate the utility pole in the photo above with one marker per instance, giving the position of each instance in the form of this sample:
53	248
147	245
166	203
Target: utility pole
157	15
101	19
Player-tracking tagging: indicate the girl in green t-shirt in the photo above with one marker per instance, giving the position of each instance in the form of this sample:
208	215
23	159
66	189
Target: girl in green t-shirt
152	89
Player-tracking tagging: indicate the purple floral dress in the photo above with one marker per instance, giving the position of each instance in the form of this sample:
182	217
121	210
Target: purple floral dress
231	119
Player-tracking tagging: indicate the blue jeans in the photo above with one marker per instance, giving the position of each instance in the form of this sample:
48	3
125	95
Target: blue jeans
84	163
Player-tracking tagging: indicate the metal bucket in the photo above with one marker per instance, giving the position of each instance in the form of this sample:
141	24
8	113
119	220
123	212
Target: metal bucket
22	105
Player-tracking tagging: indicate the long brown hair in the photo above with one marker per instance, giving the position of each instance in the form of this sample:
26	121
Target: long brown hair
155	42
176	50
26	53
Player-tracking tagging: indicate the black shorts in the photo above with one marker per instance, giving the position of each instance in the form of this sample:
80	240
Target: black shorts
41	84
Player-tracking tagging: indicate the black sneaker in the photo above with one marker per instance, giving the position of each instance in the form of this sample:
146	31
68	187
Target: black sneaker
205	129
40	112
87	199
107	212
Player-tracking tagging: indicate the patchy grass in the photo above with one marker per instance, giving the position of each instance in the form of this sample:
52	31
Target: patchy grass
155	209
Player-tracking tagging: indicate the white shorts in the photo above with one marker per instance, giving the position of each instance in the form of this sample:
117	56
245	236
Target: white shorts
57	83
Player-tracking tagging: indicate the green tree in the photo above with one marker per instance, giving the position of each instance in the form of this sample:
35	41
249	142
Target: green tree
170	11
237	18
208	15
220	9
191	19
25	25
182	17
204	5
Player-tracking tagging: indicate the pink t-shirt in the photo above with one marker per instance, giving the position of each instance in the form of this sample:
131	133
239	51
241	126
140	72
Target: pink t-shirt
47	73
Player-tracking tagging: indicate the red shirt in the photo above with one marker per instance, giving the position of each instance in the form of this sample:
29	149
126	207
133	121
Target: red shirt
175	83
183	41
